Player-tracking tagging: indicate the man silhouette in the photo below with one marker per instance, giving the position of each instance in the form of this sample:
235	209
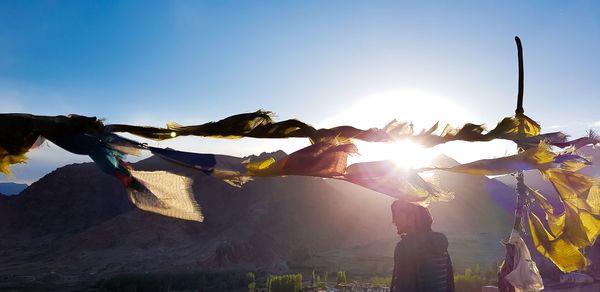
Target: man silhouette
421	260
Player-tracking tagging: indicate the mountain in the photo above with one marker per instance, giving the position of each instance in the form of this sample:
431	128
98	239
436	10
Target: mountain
77	222
69	199
12	188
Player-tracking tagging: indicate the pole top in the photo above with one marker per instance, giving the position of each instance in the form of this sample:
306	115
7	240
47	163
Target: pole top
520	110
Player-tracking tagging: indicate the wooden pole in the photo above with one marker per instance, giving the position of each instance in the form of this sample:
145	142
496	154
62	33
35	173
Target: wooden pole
521	189
519	109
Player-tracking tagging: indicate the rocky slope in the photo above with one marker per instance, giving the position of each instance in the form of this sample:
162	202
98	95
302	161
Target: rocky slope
77	221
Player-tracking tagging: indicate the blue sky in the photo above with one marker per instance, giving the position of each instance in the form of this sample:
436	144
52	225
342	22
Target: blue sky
149	62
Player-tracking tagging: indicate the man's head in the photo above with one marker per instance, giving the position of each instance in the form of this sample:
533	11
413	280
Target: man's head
410	218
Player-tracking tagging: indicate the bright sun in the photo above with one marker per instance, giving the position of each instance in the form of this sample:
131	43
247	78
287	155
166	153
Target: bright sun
421	108
404	153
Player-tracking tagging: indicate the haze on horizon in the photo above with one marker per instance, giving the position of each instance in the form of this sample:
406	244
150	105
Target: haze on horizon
326	63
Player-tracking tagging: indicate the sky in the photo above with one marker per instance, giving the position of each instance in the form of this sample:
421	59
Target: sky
328	63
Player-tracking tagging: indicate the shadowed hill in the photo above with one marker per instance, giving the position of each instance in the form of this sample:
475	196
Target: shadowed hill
77	220
69	199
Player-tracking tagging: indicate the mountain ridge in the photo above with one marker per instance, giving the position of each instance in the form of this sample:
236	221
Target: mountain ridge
77	220
10	188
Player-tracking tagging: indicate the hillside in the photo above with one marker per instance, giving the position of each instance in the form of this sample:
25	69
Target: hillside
77	221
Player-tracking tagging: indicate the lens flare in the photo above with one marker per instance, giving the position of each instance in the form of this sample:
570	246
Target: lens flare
404	153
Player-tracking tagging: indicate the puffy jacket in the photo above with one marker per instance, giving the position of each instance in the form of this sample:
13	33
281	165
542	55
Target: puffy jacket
422	264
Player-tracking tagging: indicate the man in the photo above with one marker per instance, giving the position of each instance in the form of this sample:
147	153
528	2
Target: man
421	260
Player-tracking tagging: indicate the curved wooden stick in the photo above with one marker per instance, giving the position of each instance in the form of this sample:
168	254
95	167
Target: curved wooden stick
519	109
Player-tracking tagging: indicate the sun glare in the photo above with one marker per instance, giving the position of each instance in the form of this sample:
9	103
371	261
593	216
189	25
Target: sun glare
404	153
421	108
